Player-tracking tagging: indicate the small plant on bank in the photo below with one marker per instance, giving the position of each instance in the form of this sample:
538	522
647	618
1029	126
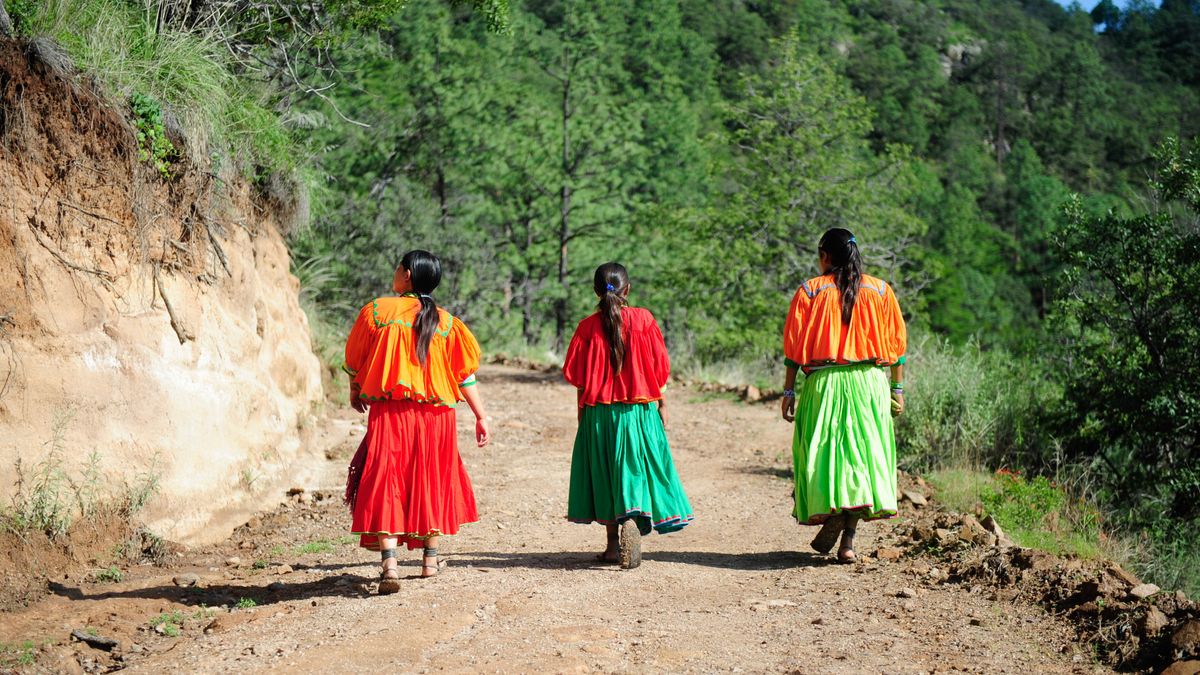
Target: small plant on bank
153	145
259	564
168	623
111	575
246	603
23	654
318	546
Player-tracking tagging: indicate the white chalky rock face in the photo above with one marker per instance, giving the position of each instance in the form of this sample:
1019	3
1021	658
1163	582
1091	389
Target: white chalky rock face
90	357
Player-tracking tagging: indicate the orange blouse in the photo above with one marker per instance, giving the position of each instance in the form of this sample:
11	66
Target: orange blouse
381	354
814	335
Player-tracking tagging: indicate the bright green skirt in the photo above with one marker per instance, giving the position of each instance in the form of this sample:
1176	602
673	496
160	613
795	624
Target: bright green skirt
622	469
844	447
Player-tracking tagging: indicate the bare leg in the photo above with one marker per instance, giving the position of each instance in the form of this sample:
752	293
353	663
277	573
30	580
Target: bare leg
611	552
429	561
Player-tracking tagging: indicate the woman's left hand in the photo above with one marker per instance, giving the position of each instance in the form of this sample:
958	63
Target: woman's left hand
356	401
897	404
483	432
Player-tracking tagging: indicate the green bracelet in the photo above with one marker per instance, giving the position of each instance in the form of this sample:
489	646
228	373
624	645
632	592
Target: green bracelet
898	385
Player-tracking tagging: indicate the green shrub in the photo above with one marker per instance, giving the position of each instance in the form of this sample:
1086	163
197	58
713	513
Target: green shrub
110	575
967	407
246	603
153	145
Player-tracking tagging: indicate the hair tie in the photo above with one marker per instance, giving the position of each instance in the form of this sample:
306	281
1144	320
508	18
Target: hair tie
851	240
424	295
609	288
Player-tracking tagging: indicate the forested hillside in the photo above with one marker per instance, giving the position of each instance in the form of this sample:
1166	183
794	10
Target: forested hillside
1023	174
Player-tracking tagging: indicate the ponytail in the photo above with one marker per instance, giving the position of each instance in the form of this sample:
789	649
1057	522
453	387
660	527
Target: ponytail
611	283
425	271
845	266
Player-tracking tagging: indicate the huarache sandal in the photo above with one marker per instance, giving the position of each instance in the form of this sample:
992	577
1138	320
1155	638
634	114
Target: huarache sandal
426	566
389	578
630	545
828	536
846	553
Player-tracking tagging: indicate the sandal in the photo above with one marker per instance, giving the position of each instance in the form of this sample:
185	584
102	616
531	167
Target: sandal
630	545
389	578
846	553
828	536
426	565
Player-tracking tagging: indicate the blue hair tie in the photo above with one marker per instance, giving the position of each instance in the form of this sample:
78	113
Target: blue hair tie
851	240
609	288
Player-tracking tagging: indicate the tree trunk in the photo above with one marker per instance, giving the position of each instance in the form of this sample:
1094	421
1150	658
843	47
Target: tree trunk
564	214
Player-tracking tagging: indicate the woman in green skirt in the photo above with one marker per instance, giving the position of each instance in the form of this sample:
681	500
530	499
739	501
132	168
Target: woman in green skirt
843	329
622	474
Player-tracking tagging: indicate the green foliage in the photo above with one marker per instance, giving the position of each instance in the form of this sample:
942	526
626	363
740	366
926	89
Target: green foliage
18	654
169	624
967	407
246	603
315	547
42	501
111	575
153	145
1134	384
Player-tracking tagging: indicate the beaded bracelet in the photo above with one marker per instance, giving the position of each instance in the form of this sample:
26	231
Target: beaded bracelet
789	393
898	385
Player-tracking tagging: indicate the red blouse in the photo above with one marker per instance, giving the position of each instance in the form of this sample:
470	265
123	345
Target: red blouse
644	373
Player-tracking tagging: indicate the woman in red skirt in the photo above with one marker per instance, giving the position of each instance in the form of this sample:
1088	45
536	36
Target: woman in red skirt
411	363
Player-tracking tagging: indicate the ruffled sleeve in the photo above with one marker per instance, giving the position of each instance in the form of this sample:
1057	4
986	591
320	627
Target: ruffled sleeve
657	360
464	353
897	331
360	342
793	329
575	366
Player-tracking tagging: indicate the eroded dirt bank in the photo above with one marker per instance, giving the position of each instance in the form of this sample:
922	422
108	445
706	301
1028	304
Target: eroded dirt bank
737	591
151	320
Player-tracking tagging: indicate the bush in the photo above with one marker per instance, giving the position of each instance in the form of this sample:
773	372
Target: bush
966	407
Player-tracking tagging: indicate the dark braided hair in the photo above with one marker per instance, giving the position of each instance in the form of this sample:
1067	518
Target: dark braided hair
425	271
846	266
610	282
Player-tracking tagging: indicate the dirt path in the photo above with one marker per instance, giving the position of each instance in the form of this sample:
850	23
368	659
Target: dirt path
738	590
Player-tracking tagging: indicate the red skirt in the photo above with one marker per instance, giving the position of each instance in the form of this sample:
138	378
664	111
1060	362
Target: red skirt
410	482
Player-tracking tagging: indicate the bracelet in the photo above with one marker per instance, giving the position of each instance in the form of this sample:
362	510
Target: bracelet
897	385
899	392
789	393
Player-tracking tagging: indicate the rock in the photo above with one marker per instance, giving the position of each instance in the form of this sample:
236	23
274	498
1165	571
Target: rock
889	554
818	621
276	586
233	561
945	538
906	593
922	533
283	569
216	625
972	532
989	540
1187	639
751	394
1143	591
1155	621
780	603
97	641
1181	597
976	622
292	492
1183	668
1124	575
185	580
916	498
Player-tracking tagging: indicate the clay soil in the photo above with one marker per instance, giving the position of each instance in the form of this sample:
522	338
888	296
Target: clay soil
737	591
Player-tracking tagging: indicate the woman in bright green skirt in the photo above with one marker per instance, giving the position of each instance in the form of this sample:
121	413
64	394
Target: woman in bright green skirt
622	474
843	329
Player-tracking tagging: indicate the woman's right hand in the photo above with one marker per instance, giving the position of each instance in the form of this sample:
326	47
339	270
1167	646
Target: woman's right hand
788	408
483	431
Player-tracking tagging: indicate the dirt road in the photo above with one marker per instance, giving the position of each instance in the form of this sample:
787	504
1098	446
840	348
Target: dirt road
736	591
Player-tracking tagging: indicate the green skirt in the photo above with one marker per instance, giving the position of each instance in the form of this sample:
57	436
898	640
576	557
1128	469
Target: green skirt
622	468
844	447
